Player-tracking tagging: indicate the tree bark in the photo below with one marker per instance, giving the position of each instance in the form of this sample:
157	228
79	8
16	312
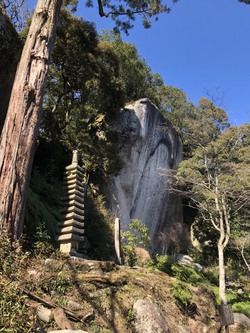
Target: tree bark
20	131
10	52
222	280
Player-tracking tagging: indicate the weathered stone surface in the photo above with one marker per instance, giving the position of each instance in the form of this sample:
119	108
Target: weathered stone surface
44	314
149	318
72	305
61	319
70	237
151	149
241	323
184	259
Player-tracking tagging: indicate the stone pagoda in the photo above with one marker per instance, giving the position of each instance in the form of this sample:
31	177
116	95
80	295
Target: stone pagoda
71	228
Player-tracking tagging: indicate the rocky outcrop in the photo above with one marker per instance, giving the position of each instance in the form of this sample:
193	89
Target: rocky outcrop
151	149
241	323
148	317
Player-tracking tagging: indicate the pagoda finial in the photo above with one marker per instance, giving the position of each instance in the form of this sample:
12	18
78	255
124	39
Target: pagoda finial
75	157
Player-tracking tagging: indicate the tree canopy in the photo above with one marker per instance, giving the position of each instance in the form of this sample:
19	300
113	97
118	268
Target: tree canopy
83	94
216	176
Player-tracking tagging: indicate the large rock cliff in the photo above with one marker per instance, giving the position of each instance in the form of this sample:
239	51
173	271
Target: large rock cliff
151	149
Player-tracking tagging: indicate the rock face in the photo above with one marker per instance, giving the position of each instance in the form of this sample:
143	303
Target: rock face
241	323
151	149
149	318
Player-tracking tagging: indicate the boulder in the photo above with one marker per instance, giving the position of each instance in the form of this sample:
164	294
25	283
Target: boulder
186	260
151	150
149	317
241	323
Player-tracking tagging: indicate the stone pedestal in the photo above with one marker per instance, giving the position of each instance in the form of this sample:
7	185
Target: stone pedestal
71	228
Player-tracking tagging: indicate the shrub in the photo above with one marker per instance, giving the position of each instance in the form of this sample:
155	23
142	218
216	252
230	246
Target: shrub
242	307
136	236
14	316
161	263
98	229
184	273
187	274
182	294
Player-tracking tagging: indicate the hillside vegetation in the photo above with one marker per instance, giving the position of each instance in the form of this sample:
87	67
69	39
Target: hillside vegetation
99	296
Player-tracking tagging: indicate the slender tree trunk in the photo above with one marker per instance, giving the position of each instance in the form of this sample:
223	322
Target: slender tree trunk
20	132
243	255
222	277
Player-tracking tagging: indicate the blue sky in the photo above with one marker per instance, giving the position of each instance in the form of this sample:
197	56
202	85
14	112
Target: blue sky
202	47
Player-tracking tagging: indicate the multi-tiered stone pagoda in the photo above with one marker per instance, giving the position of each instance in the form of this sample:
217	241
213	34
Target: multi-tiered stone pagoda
71	228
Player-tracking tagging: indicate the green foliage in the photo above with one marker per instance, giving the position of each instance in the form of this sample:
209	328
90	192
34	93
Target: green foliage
83	95
11	255
14	317
178	109
182	294
59	283
242	307
187	274
239	302
130	316
125	12
217	177
42	243
43	202
212	275
162	263
181	272
98	229
137	77
136	236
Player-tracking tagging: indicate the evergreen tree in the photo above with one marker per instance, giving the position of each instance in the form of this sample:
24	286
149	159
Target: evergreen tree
83	95
138	79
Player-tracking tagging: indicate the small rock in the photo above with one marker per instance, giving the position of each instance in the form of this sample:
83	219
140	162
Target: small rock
44	314
240	291
149	318
32	271
184	259
74	306
61	319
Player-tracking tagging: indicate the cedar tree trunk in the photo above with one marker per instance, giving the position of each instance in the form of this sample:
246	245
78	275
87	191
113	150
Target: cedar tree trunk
20	132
